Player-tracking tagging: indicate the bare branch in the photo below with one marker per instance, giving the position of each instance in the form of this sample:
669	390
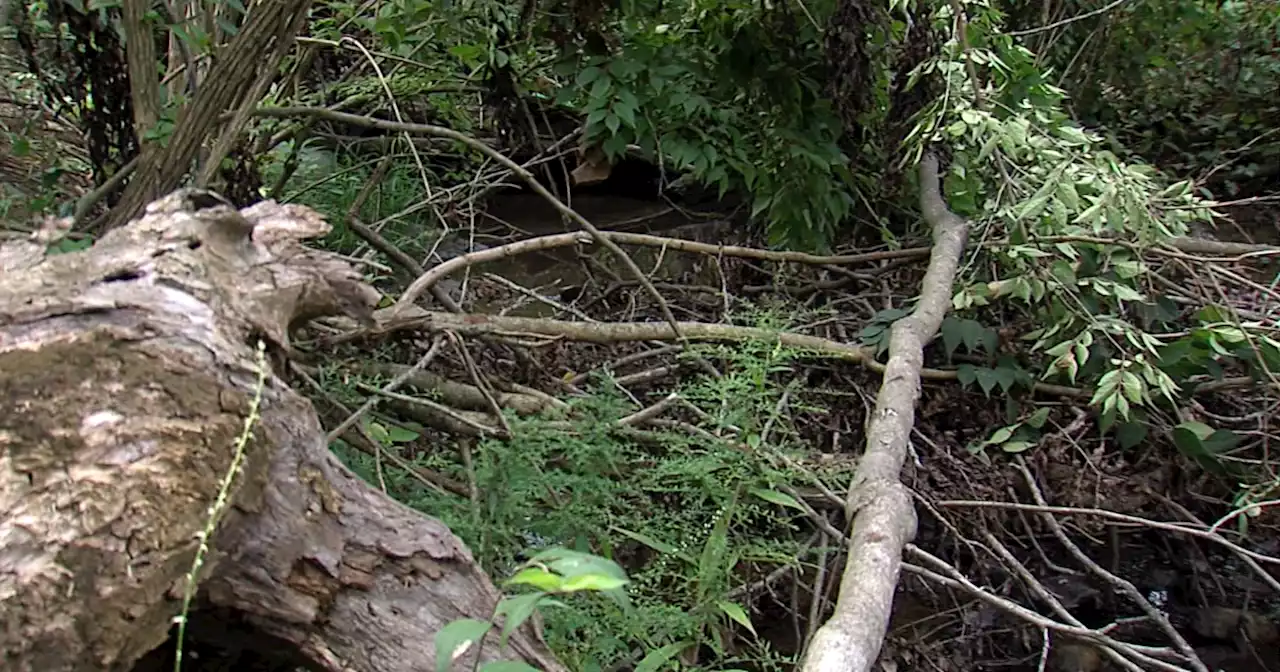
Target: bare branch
884	519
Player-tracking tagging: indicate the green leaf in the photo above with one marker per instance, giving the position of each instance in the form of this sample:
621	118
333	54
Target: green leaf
952	334
517	611
600	89
615	146
986	380
1221	441
378	432
1130	434
538	577
738	614
626	113
1191	439
990	341
398	434
779	498
1072	135
1016	446
457	638
588	75
592	582
659	657
971	332
1038	418
1005	377
573	563
1001	435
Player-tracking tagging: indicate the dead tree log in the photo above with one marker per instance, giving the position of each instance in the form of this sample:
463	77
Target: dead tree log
879	505
126	373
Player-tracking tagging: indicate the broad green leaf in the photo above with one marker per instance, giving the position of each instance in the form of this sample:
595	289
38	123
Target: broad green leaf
779	498
378	432
1038	418
1189	437
986	380
600	89
737	613
538	577
516	611
1016	446
659	657
398	434
1001	435
1221	441
971	332
457	638
1131	434
569	563
1132	387
593	582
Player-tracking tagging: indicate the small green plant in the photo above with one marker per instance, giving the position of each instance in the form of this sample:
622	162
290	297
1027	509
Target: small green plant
220	504
686	514
552	574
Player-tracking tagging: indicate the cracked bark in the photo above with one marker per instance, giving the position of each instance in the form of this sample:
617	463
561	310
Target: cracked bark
127	371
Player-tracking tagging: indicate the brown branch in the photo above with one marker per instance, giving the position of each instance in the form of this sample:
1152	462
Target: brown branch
622	332
410	295
884	519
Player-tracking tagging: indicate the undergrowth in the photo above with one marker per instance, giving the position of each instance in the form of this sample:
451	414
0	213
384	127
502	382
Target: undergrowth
690	515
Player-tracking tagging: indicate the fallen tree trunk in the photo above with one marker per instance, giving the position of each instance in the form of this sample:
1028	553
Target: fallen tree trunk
128	371
880	506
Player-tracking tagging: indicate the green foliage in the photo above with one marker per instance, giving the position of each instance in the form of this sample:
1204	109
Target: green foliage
1066	221
1067	229
732	94
685	514
553	572
1188	83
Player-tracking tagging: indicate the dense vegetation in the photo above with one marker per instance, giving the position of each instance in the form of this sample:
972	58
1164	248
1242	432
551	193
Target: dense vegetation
1084	140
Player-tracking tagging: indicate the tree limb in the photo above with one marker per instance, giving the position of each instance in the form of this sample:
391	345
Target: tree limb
884	519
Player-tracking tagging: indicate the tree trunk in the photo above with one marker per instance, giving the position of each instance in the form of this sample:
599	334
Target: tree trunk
241	69
128	371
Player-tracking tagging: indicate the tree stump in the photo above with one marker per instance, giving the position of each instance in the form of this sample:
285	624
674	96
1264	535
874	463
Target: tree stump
127	372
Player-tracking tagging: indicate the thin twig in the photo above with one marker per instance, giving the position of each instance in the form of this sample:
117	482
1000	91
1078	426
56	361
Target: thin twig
391	386
1126	587
1069	20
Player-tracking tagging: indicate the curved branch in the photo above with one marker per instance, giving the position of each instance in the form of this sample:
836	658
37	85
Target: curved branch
884	520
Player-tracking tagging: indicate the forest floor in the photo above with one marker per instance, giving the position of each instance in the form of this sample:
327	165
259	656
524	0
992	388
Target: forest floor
1113	548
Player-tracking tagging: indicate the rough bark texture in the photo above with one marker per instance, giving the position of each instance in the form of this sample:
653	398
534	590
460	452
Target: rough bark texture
267	35
127	372
884	519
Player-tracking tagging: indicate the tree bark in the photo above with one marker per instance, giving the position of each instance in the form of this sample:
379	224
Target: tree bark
128	371
255	52
880	506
